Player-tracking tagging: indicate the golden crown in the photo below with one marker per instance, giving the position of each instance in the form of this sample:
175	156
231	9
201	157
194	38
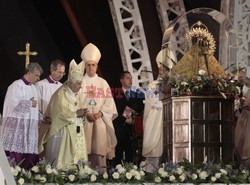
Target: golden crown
199	30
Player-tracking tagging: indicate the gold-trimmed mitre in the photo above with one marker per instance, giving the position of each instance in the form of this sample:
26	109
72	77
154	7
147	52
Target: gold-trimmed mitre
165	57
76	71
91	52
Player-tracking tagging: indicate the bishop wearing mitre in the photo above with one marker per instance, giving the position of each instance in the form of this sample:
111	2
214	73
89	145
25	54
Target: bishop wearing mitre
96	96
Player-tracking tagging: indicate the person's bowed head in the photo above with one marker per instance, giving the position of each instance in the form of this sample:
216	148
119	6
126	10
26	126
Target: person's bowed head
74	82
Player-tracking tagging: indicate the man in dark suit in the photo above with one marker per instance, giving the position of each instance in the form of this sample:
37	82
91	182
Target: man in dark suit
128	102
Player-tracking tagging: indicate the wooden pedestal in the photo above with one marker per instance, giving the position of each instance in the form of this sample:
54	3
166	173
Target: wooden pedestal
198	126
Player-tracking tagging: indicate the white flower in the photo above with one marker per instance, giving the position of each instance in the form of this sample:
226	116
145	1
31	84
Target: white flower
161	170
217	175
179	171
164	174
43	180
121	170
29	174
194	176
142	173
118	166
116	175
182	177
135	167
35	169
21	181
38	177
224	172
184	83
72	177
138	177
157	179
87	169
105	175
133	172
55	171
18	168
129	175
81	171
203	175
172	178
201	72
14	171
213	179
49	170
93	178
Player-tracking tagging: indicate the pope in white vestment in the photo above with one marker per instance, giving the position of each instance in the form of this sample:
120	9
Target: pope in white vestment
21	118
97	97
153	119
65	140
49	85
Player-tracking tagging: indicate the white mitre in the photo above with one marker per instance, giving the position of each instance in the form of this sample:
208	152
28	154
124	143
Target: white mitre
91	52
76	71
164	58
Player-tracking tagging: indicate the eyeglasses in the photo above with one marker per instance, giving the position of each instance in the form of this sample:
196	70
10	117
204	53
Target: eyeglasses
61	73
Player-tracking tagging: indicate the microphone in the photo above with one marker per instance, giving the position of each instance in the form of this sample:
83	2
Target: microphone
146	71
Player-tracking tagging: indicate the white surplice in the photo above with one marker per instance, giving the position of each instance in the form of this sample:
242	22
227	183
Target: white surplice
46	88
20	119
152	124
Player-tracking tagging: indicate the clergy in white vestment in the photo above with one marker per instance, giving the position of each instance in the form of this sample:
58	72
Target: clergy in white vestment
49	85
242	129
153	117
64	142
97	97
21	118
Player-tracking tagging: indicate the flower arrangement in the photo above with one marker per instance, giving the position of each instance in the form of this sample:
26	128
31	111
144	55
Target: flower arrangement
201	84
169	172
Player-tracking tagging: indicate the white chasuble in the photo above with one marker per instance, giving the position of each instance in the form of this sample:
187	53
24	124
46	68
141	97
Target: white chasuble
63	134
100	135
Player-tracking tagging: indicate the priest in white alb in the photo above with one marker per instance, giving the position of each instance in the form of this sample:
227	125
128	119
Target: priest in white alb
49	85
153	116
65	140
21	118
97	97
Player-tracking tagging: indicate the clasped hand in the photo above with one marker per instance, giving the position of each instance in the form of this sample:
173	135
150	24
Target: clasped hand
81	112
93	117
33	102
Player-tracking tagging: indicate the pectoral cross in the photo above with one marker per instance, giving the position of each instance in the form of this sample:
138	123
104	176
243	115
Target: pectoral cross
92	103
27	54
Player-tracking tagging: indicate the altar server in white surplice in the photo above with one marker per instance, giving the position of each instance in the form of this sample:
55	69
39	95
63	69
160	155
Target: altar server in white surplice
153	117
97	97
21	117
49	85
